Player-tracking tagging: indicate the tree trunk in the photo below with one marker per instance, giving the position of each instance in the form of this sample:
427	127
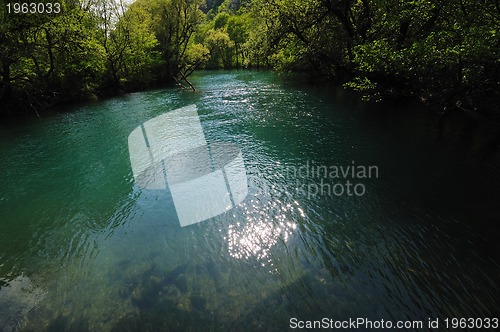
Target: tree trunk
186	80
5	85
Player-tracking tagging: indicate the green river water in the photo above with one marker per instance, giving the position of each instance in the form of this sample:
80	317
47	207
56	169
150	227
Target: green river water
82	247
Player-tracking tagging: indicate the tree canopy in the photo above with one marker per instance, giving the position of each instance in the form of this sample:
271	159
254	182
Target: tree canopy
444	52
95	47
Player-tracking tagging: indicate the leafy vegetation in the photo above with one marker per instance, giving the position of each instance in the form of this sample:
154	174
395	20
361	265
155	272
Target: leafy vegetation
444	52
96	47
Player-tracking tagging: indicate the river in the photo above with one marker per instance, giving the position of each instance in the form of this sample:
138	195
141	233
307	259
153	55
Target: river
409	235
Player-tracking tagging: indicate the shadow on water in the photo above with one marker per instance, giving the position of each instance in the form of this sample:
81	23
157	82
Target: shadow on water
169	301
168	304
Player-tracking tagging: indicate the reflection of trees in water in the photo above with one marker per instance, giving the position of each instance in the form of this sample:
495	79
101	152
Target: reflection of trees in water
477	133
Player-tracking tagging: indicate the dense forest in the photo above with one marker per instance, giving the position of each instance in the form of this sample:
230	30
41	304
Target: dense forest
443	52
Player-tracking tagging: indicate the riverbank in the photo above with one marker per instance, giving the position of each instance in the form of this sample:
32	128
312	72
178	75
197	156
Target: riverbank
444	110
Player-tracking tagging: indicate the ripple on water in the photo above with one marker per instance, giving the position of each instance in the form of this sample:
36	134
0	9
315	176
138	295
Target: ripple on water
96	252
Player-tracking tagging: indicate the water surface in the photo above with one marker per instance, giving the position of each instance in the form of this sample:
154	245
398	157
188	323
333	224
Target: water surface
83	248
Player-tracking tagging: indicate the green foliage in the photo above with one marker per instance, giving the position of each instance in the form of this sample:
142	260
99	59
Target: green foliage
445	52
48	58
220	20
220	46
96	47
226	36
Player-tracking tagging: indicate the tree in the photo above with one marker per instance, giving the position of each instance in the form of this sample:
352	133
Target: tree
174	23
47	59
237	27
220	45
445	52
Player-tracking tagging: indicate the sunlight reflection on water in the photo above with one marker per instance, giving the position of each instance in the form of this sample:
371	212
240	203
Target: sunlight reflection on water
261	229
